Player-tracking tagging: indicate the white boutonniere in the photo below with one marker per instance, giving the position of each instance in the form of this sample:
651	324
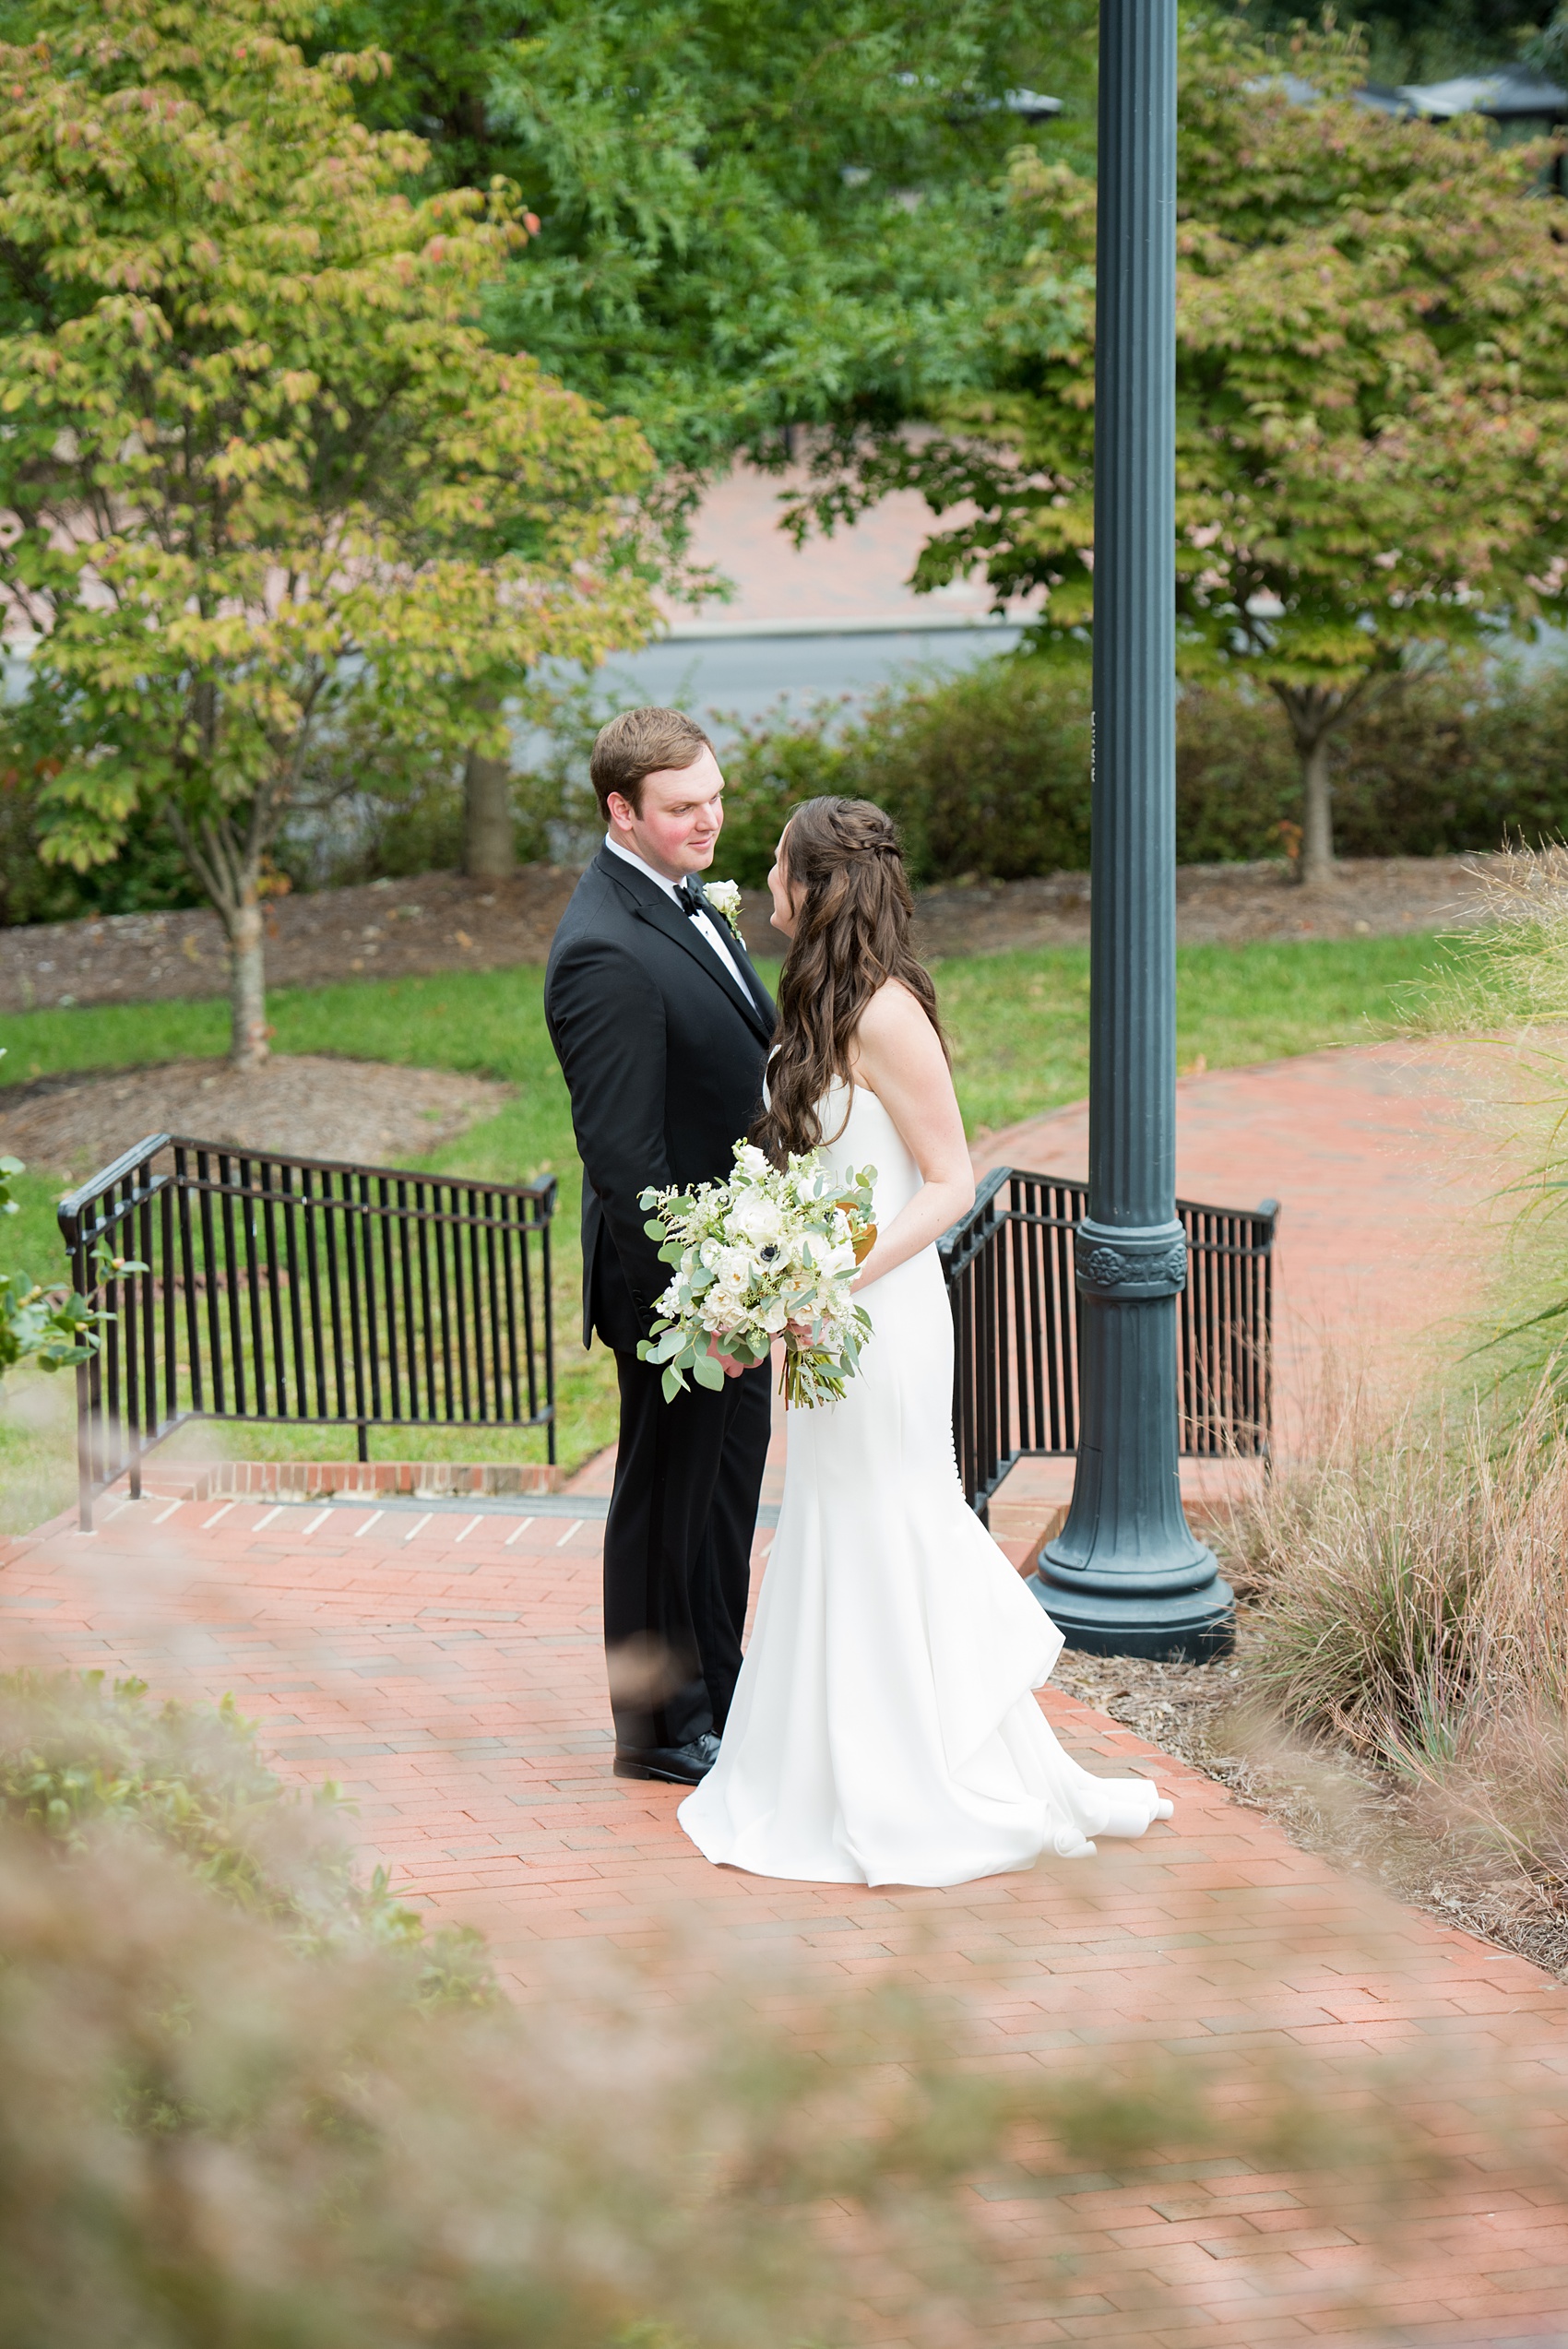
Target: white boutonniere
724	897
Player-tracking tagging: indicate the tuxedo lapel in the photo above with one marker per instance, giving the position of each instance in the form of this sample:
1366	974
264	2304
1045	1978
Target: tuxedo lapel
650	904
681	927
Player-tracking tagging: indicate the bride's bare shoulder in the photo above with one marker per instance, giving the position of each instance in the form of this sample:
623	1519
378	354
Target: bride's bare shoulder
891	1013
894	1029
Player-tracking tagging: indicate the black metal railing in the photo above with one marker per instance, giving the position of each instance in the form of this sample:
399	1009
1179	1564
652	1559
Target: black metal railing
1009	1268
248	1286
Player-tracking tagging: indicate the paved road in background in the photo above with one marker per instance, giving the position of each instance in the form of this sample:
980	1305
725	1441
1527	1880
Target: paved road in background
733	681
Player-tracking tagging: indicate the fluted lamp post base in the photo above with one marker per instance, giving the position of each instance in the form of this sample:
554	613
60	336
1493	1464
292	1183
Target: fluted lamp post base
1126	1575
1122	1615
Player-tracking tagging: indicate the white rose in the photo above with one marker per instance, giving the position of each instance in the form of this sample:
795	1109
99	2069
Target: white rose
756	1219
750	1162
830	1261
732	1270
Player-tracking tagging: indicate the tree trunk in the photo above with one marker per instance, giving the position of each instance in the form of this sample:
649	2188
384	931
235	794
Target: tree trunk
488	850
1313	712
1317	812
247	984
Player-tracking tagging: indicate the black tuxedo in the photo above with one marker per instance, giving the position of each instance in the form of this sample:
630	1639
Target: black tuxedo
663	1055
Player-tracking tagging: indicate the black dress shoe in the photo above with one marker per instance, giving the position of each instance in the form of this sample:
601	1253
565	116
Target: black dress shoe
676	1765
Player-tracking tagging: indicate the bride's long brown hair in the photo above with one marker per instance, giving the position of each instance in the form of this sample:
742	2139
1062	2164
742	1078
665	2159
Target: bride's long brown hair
854	907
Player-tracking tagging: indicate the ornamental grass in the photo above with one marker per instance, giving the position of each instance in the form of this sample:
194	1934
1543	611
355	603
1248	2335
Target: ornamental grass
1408	1592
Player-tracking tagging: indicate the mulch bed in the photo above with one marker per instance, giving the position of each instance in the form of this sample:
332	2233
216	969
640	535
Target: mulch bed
441	922
387	930
304	1105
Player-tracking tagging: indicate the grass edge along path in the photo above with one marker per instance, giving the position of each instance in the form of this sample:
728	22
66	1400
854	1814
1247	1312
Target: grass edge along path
1018	1024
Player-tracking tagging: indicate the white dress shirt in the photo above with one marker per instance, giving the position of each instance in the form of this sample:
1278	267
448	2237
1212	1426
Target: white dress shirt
702	922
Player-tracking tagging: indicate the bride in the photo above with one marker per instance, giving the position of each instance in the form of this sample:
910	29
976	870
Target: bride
885	1730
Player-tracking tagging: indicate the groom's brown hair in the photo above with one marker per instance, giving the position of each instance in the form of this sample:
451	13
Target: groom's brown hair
639	744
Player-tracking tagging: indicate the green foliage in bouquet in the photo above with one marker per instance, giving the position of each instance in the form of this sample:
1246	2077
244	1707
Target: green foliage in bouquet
769	1254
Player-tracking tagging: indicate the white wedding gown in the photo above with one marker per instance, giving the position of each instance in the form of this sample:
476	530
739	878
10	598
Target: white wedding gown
885	1730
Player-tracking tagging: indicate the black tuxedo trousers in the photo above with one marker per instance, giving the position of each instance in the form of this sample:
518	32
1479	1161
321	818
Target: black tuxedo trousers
663	1053
677	1552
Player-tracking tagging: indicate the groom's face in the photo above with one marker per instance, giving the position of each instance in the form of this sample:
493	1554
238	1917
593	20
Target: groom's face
680	819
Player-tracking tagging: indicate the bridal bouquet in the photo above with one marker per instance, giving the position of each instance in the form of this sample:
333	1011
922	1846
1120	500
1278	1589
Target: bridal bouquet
770	1254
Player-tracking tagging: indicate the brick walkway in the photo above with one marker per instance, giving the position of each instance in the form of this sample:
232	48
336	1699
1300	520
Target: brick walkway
1378	1159
443	1664
1383	1168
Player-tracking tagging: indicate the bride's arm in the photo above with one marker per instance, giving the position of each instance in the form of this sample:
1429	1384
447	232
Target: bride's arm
898	1057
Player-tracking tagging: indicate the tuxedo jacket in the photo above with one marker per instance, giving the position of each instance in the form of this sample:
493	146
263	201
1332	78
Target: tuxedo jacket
663	1057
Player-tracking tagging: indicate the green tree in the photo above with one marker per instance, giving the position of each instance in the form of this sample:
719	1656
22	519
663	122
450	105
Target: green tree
1419	39
754	213
1371	393
1548	52
269	477
755	218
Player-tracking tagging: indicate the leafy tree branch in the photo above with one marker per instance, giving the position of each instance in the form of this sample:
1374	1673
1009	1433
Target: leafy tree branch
261	470
1372	396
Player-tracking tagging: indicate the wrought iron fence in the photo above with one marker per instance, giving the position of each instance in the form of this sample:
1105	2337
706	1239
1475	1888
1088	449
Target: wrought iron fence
262	1287
1009	1269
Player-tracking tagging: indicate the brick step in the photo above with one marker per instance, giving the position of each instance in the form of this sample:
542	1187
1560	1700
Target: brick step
305	1480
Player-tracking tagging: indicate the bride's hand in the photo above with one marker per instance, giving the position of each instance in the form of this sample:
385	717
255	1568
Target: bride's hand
726	1362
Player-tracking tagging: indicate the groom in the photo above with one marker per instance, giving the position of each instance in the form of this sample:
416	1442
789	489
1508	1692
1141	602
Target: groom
662	1028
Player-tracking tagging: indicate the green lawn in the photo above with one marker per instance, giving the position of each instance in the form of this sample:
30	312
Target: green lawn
1019	1022
1019	1029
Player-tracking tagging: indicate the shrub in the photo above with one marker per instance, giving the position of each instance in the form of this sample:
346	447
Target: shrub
768	771
1237	778
988	773
147	876
985	773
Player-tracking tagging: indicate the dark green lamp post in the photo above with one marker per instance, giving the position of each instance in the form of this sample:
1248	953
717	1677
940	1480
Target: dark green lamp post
1126	1576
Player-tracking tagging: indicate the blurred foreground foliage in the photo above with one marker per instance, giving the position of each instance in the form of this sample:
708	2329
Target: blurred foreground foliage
232	2112
78	1756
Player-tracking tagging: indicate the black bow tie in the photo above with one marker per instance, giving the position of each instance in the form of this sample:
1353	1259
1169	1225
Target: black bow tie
689	896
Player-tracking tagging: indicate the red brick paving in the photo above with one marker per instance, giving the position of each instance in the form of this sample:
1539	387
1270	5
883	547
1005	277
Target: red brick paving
444	1668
